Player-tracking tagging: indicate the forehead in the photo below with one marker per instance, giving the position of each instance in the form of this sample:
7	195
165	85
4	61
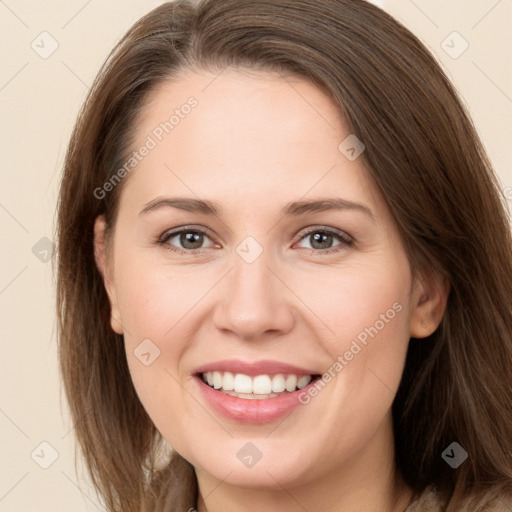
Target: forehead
259	103
243	135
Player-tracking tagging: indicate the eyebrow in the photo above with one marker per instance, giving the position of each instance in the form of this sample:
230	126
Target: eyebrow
293	208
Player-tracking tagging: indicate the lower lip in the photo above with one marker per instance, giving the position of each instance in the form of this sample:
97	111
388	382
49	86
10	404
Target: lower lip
251	411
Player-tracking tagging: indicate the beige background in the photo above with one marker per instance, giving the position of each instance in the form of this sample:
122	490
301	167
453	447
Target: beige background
39	100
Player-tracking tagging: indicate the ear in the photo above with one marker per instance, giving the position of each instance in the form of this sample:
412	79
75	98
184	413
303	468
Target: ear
103	263
429	299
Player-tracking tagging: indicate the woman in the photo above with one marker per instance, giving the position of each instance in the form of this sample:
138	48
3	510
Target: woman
365	370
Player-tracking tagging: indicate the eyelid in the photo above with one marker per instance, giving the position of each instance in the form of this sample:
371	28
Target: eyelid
325	229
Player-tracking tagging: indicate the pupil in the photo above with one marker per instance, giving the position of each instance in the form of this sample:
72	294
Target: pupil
193	238
317	237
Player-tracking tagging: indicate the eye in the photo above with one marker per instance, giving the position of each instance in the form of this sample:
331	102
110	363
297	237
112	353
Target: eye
191	240
321	240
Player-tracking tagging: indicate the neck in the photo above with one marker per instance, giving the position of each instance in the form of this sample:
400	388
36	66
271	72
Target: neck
368	481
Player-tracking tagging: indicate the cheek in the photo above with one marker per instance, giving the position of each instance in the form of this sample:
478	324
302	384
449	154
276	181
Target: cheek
154	298
367	312
347	300
159	306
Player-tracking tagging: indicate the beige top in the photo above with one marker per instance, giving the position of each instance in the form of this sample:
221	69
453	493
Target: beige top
497	498
431	501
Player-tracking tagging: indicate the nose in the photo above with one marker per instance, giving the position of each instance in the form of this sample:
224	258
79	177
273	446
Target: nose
254	303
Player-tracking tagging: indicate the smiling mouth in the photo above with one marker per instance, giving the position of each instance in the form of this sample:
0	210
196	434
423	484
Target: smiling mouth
259	387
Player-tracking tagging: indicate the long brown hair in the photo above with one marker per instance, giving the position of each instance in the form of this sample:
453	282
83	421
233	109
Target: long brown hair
421	150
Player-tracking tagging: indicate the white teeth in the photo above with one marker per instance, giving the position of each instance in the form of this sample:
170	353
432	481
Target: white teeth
242	383
260	386
229	382
302	382
217	380
291	383
278	383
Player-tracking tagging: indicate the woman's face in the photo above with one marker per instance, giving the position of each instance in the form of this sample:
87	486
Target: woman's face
299	273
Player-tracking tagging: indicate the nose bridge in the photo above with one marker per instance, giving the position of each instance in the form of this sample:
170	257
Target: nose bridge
251	278
253	299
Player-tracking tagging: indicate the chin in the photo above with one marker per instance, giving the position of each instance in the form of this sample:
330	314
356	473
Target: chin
273	471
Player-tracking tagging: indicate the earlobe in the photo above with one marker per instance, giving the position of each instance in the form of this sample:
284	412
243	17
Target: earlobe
429	300
102	262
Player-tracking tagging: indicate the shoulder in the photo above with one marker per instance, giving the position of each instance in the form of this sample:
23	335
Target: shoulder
494	498
430	500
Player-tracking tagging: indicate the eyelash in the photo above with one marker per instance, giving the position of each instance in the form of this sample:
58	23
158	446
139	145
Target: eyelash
345	240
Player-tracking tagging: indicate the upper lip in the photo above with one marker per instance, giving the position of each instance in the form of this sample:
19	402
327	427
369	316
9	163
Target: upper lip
253	368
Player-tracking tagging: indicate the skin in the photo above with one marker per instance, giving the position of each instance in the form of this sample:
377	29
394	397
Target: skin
254	142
